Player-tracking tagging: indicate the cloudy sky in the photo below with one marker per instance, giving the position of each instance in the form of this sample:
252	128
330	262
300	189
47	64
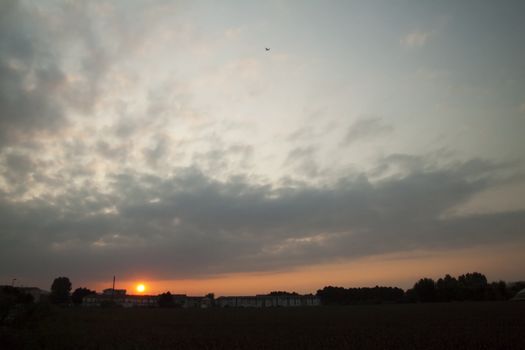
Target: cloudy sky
377	142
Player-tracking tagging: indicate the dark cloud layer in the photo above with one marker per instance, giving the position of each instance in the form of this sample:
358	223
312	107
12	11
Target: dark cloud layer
192	226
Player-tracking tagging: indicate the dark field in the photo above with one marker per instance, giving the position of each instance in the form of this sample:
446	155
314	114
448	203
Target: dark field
412	326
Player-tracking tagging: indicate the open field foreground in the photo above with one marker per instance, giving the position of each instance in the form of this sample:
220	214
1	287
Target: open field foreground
410	326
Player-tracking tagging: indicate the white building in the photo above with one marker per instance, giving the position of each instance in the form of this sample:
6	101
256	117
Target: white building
520	296
268	301
121	300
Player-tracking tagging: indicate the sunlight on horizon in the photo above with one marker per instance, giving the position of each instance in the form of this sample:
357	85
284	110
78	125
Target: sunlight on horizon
141	288
395	270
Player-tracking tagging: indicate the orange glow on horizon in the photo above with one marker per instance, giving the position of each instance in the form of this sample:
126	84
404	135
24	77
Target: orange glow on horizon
141	288
399	269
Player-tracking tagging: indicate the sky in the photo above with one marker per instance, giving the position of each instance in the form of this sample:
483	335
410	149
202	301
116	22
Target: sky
375	143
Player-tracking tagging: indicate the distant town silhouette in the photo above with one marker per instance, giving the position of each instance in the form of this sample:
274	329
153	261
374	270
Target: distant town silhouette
467	287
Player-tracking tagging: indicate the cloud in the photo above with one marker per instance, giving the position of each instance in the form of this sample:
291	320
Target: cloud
190	225
303	160
416	38
366	128
233	33
18	165
29	76
39	86
58	67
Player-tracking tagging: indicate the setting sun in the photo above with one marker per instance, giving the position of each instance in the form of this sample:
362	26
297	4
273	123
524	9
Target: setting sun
141	288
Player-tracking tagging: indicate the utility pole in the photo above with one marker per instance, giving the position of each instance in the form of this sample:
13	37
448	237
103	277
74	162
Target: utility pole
13	282
113	292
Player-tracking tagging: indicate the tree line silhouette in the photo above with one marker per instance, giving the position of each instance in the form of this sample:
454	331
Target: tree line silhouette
471	286
347	296
468	287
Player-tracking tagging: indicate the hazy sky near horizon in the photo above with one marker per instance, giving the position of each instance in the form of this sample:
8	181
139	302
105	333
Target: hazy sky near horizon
160	141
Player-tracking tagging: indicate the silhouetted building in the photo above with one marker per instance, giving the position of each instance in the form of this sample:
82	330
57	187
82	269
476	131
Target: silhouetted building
185	301
37	293
196	302
120	300
269	301
111	291
520	296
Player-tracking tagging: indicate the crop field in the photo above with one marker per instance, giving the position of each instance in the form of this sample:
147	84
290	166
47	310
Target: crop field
489	325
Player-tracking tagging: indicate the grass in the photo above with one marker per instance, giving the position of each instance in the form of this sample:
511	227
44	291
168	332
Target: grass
489	325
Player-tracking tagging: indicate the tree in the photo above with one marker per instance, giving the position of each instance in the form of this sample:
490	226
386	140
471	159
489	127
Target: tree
211	299
410	295
332	295
282	293
425	290
165	300
472	286
60	290
79	294
496	291
447	288
345	296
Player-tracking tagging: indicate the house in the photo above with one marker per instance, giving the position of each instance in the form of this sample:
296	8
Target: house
268	301
111	291
95	300
120	298
520	296
182	300
196	302
37	293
